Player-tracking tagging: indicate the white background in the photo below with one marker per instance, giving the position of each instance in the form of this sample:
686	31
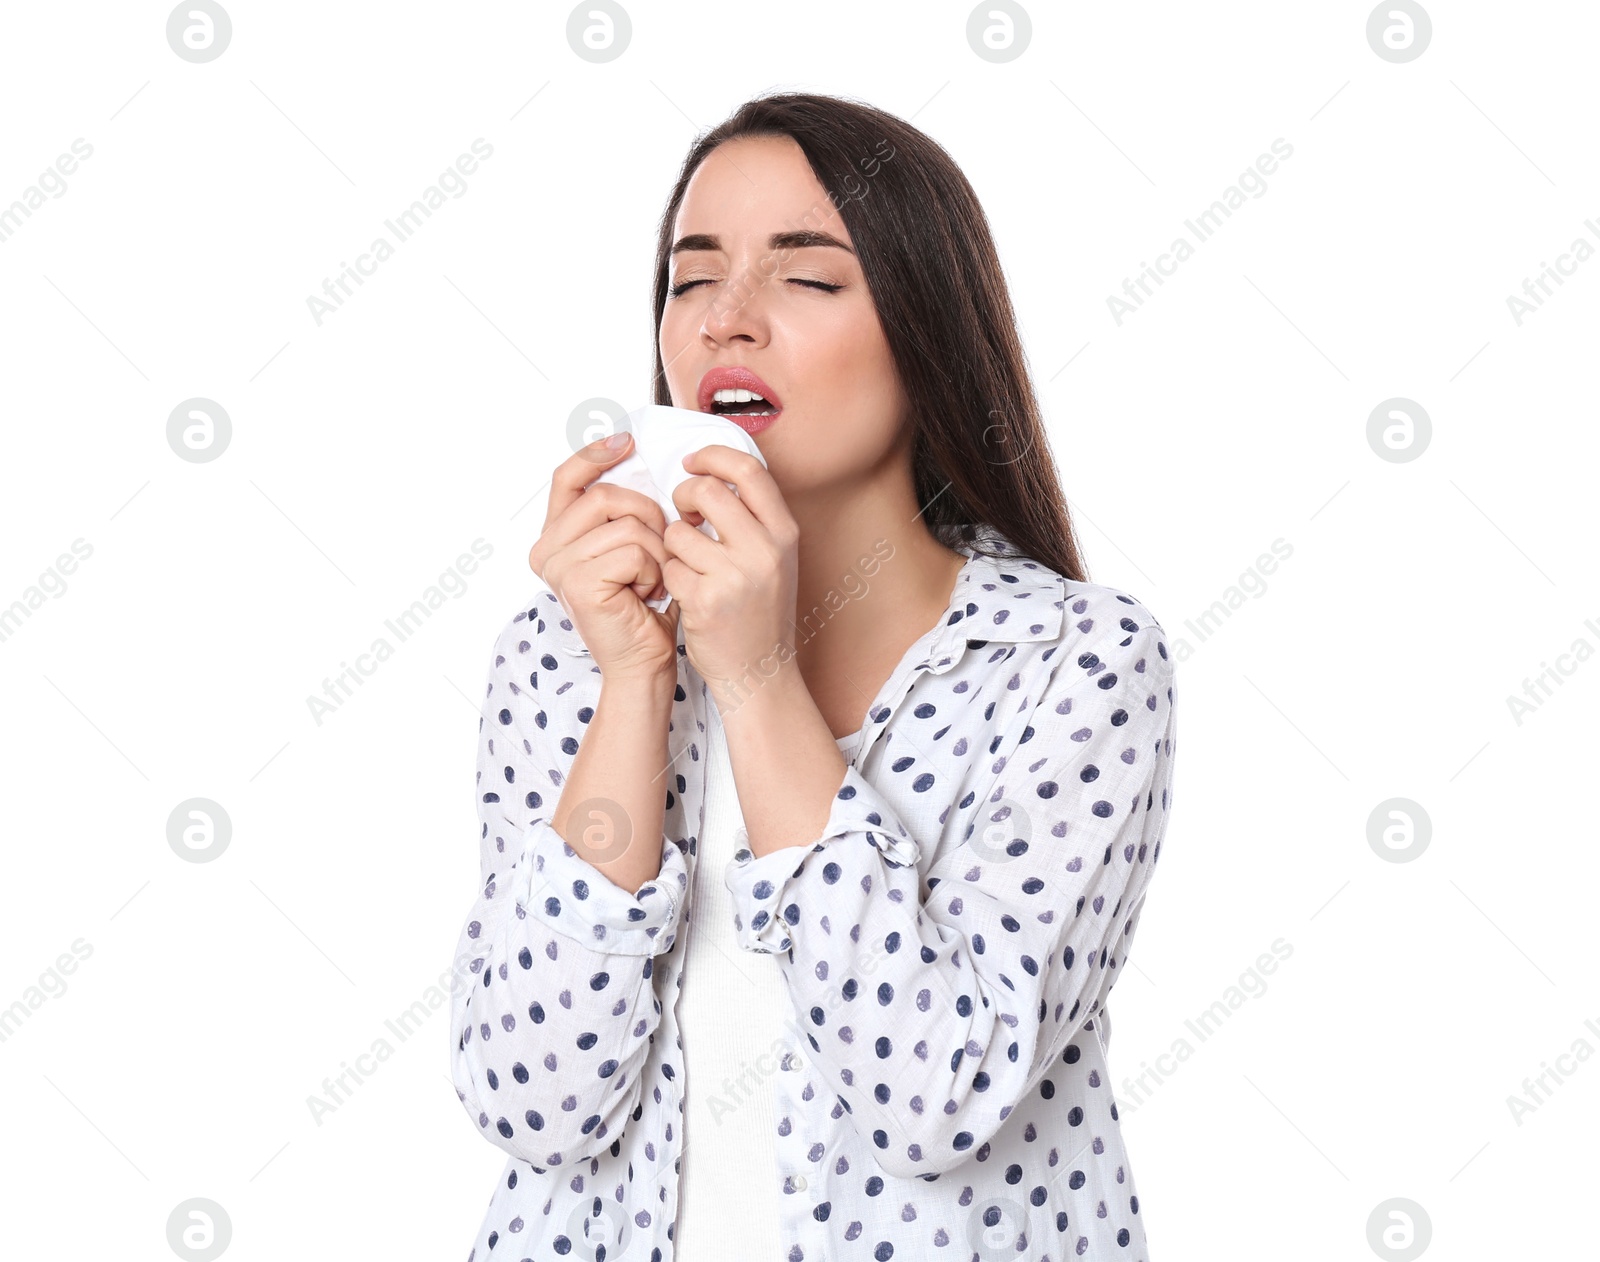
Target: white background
369	452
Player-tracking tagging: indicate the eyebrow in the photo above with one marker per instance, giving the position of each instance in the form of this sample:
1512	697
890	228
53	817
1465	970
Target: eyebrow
798	240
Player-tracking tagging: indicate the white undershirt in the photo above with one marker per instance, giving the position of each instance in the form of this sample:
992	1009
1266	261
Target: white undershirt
733	1018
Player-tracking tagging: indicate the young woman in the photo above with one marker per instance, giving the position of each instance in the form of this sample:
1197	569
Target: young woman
801	900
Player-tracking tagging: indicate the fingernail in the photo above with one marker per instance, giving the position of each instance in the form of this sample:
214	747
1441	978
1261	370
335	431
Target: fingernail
618	440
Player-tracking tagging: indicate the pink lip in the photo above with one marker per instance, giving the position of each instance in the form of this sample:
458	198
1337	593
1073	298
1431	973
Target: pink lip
740	379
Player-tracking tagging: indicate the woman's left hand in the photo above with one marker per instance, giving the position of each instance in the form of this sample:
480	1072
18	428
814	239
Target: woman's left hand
737	591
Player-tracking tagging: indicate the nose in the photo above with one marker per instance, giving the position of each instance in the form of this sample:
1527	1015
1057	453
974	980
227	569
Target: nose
737	310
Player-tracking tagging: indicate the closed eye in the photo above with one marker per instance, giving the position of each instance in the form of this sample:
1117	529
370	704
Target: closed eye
678	290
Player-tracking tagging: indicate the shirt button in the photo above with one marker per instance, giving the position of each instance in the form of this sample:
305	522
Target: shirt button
800	1182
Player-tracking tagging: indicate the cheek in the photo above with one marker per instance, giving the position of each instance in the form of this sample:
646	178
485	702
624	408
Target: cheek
852	398
670	336
871	358
853	361
670	341
873	396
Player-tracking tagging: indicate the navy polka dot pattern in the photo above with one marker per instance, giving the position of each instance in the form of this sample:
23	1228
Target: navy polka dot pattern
948	943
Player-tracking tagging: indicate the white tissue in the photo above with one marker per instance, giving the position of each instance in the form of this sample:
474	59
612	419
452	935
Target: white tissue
662	437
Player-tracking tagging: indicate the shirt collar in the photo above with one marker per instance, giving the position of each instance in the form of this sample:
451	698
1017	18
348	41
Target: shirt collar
1010	599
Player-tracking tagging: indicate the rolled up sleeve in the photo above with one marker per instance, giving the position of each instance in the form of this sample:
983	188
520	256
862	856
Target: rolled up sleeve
553	1024
932	1017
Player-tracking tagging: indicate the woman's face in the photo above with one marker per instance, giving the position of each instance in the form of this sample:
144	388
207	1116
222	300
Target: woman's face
798	316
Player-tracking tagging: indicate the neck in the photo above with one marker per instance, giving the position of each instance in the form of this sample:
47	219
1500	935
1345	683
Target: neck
869	570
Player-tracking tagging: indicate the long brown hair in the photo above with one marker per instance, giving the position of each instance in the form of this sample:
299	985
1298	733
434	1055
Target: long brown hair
980	455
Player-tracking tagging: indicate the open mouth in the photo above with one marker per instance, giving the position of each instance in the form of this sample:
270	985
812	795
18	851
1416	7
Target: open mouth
735	392
735	403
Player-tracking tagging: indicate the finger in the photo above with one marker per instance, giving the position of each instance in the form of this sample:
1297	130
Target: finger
620	501
578	470
623	533
692	546
703	556
619	532
681	580
757	490
631	565
601	503
710	499
559	561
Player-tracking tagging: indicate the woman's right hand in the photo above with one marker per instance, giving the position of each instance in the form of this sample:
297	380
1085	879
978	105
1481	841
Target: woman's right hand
601	553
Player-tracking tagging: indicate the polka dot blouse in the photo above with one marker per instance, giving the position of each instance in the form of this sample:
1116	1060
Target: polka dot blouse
947	945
